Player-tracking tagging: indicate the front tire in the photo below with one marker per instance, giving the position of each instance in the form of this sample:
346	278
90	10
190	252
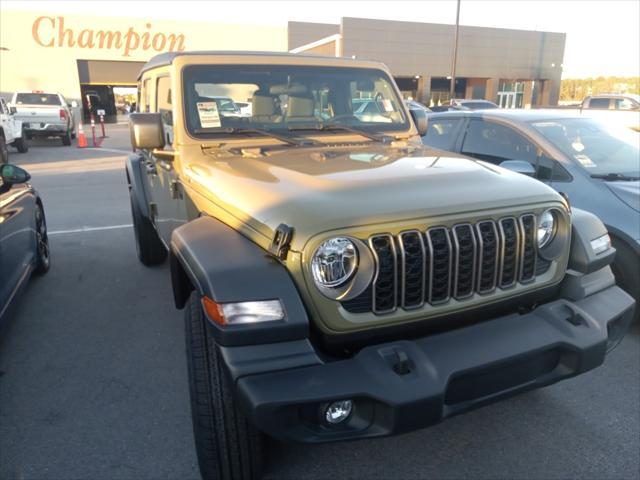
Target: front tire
227	445
43	254
4	151
149	247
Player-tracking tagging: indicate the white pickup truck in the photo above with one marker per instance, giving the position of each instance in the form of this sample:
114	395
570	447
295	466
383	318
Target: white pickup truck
11	132
611	108
45	115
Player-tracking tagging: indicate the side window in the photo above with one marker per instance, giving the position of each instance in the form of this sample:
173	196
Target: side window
624	104
599	103
548	169
495	143
3	107
163	106
442	133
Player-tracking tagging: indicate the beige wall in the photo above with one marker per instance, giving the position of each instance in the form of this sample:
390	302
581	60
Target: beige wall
39	58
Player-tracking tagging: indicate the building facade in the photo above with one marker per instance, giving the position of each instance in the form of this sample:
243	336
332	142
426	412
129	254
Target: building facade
91	57
514	68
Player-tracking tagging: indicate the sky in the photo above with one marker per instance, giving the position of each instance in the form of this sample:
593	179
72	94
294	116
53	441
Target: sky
603	37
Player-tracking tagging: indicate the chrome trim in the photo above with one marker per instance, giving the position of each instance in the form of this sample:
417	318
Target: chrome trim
456	266
404	272
377	270
481	256
428	235
534	241
502	249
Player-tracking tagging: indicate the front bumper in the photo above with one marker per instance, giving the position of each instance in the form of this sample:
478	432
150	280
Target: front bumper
406	385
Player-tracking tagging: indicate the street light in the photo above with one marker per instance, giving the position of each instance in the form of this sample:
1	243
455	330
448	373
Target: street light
452	87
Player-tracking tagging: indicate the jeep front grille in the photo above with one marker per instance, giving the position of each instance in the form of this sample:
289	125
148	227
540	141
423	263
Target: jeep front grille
436	265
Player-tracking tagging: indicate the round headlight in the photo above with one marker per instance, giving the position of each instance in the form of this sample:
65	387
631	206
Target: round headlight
546	228
334	262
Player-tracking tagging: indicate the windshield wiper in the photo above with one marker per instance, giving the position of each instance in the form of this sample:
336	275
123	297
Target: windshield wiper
259	131
328	127
614	176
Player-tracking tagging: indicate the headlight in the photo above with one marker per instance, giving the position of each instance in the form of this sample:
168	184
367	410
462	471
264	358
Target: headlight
334	262
546	228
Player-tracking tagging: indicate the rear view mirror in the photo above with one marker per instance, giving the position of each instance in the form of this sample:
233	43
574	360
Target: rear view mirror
12	175
520	166
147	132
420	119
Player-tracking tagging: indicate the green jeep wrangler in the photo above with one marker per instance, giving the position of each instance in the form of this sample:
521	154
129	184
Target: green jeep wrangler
340	280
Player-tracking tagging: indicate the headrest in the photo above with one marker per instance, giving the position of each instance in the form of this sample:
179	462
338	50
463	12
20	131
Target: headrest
293	89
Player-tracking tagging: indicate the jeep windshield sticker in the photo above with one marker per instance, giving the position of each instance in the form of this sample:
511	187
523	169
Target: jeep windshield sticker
208	113
585	161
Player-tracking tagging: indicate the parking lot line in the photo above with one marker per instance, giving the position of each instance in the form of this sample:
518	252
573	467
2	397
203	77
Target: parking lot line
90	229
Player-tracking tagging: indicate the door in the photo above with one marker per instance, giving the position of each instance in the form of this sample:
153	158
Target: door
507	99
162	179
17	237
8	121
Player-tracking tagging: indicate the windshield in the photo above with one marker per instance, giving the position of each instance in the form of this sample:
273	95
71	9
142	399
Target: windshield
594	146
281	97
37	99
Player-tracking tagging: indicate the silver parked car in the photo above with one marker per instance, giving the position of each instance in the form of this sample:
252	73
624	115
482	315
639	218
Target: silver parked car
597	165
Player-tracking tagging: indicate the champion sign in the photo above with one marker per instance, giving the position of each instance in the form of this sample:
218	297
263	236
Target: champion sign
50	32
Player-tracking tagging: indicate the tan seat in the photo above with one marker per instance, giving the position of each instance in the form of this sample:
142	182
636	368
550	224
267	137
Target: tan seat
300	107
264	108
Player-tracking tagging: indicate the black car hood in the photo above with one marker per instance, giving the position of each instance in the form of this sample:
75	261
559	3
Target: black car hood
628	192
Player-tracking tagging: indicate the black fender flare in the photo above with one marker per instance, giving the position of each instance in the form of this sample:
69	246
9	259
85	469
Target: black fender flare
134	170
225	266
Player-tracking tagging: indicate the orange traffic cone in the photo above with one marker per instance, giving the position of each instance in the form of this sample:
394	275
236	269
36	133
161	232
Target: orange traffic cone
82	139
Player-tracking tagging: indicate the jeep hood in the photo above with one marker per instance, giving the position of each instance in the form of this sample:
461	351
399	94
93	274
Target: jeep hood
315	190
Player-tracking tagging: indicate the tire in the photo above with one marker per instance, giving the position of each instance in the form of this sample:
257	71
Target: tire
149	247
4	151
43	253
227	445
626	268
66	139
21	143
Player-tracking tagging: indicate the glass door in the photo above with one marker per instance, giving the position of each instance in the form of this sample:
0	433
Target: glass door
507	99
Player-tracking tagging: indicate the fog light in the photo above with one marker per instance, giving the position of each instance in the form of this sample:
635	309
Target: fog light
338	412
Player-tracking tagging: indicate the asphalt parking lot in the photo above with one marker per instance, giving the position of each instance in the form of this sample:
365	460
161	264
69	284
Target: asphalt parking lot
93	380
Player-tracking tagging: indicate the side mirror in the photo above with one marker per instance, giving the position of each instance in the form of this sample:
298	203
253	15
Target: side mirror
420	119
12	110
147	132
12	175
73	104
520	166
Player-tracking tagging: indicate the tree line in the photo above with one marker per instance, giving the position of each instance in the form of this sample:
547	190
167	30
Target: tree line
576	89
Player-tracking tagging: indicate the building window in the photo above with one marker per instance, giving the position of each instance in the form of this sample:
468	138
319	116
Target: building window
511	94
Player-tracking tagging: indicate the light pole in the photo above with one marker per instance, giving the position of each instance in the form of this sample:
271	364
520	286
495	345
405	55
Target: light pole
452	87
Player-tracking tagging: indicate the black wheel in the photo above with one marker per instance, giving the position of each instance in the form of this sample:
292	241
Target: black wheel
21	143
626	268
149	247
66	139
43	258
227	445
4	151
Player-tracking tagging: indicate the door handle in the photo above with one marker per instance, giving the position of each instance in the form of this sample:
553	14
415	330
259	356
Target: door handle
151	169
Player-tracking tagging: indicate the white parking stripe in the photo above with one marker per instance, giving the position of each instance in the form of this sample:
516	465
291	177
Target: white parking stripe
90	229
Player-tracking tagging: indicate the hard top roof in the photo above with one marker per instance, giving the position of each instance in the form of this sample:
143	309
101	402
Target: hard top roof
167	58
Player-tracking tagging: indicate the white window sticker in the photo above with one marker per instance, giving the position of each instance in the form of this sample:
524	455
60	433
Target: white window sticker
388	106
585	161
208	113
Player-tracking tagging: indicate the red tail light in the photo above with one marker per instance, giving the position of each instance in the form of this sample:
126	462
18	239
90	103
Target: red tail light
63	114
